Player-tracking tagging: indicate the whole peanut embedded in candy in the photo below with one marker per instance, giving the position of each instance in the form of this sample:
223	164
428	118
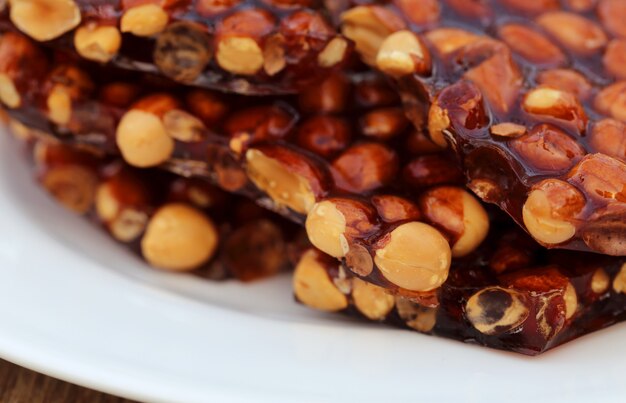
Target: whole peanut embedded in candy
547	148
460	214
44	20
609	137
418	317
141	135
532	45
496	310
288	178
403	53
576	33
372	301
368	26
365	167
558	106
99	43
333	224
179	238
551	210
123	205
69	175
144	20
237	41
313	287
22	66
182	51
414	256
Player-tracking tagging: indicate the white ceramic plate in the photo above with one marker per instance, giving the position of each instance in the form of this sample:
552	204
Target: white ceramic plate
75	305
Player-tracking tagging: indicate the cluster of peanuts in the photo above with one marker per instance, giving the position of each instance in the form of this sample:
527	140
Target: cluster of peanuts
315	164
177	224
543	97
247	46
486	301
392	229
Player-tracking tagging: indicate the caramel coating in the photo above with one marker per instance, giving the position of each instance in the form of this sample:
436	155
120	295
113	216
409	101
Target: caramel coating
179	238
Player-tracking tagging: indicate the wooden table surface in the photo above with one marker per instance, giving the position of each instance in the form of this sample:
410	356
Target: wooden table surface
20	385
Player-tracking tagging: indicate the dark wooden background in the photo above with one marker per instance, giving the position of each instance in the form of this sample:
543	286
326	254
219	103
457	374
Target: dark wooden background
20	385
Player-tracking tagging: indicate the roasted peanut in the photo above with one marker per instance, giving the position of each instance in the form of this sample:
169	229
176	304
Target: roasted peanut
459	214
619	282
532	45
365	167
600	282
333	224
372	301
21	66
182	51
383	123
393	208
420	12
333	53
289	179
566	80
209	8
183	126
368	26
601	177
330	96
459	105
359	260
448	40
418	317
123	206
179	238
547	148
144	20
577	33
611	101
613	14
324	135
143	139
99	43
313	287
414	256
615	58
73	186
206	106
559	106
609	137
44	20
532	7
403	53
237	41
68	84
496	310
605	231
498	77
507	129
550	211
